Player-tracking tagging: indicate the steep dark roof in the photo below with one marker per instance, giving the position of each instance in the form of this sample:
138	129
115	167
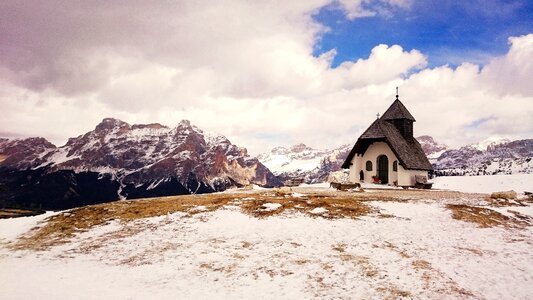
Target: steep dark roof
408	151
374	131
397	111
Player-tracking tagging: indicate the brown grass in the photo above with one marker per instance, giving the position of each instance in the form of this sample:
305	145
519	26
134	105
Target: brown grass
337	206
6	213
430	276
391	292
421	264
484	217
502	202
394	248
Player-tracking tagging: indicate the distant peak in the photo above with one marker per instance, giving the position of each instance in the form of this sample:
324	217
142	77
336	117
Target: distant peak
185	123
490	142
110	123
299	148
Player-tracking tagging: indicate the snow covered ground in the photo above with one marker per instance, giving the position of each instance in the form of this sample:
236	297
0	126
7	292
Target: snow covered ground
485	184
410	249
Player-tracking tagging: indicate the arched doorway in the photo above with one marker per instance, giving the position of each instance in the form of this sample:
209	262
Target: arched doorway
361	176
383	168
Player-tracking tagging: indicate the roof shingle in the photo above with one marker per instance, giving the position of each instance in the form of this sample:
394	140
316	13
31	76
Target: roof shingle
397	111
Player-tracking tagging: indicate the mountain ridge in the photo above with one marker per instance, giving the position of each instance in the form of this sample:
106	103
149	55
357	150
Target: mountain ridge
144	159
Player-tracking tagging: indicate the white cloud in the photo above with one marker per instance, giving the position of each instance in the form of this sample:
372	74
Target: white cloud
512	73
241	68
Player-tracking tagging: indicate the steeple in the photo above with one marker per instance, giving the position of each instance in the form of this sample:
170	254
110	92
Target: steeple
398	115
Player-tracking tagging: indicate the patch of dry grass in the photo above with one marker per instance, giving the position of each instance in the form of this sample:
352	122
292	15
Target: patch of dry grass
484	217
521	217
6	213
3	157
391	292
502	202
394	248
421	264
336	206
431	276
362	262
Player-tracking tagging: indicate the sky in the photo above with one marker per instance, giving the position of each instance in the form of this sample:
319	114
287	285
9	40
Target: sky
268	73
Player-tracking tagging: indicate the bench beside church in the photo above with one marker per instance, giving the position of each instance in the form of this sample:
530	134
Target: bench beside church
388	153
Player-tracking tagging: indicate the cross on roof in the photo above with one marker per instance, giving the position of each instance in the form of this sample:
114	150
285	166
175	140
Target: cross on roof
396	93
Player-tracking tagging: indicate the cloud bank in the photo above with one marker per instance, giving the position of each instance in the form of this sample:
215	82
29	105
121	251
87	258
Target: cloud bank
245	69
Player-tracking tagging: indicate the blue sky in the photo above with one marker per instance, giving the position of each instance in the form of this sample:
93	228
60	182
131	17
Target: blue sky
448	32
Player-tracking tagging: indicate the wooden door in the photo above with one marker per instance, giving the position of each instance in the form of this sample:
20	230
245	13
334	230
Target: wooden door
383	168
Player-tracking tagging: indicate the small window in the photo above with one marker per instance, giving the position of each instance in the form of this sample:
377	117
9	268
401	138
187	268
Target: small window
395	166
368	165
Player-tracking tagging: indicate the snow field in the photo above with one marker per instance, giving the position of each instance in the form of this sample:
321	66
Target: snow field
485	184
418	251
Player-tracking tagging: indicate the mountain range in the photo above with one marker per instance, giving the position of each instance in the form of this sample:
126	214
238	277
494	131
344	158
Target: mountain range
489	157
117	160
301	161
492	156
120	161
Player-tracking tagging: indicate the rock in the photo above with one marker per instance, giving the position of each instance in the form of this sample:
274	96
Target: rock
342	176
509	195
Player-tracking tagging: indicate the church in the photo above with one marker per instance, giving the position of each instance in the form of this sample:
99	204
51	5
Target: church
387	152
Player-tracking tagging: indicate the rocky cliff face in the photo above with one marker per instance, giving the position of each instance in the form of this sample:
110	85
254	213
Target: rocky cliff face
432	149
25	153
144	160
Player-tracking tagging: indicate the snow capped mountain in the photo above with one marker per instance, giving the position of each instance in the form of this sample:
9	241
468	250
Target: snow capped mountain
301	161
145	160
24	153
490	142
431	148
492	156
154	152
296	158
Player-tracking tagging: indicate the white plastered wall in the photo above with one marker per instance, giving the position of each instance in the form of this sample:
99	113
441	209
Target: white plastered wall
371	154
407	177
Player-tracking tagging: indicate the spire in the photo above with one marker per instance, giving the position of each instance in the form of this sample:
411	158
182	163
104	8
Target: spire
397	111
396	93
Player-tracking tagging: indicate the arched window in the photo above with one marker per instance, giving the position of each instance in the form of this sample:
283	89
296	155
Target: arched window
368	165
395	166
